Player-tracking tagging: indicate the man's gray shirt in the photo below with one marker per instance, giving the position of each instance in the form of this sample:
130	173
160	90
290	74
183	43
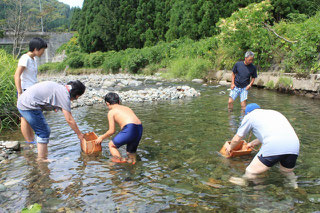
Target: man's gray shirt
46	96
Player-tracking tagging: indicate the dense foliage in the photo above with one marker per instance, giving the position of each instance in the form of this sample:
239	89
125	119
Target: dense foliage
56	15
120	24
246	29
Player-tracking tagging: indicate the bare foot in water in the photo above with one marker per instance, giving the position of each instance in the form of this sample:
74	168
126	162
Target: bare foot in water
44	160
118	160
238	181
131	160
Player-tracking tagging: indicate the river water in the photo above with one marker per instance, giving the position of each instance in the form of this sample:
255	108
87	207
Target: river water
178	157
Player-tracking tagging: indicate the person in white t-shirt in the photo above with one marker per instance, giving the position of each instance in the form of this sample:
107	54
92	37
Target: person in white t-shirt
26	76
279	142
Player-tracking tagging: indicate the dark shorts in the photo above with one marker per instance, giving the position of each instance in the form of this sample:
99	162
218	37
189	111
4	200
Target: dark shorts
130	135
288	161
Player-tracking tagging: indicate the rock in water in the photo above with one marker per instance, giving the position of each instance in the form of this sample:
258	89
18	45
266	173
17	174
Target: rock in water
2	188
14	145
200	81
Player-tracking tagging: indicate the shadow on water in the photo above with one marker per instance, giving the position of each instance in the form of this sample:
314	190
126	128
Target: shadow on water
178	157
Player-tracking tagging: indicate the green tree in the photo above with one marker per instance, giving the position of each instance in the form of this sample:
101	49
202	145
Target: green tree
75	14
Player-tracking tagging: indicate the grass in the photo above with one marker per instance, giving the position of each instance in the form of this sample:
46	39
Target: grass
8	98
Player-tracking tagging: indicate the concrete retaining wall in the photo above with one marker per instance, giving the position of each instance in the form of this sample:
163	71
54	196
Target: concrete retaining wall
308	85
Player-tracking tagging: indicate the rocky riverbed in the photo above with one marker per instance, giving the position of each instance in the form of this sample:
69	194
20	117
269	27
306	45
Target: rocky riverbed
131	88
7	148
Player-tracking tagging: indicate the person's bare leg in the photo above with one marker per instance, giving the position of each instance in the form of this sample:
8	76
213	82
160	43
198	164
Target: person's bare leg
289	175
42	151
26	130
255	168
243	106
114	151
230	104
132	157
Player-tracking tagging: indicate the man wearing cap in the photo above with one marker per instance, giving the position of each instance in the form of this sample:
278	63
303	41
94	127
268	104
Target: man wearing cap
240	80
46	96
279	142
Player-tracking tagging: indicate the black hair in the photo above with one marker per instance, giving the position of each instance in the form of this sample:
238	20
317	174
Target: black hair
112	98
77	88
37	43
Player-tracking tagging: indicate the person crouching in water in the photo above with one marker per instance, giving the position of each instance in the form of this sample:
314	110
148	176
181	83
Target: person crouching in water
279	142
131	129
47	96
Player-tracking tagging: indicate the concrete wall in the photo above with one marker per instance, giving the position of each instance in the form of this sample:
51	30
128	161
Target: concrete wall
309	83
54	40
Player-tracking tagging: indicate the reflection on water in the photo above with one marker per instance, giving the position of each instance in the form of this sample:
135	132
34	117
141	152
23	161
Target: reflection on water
179	168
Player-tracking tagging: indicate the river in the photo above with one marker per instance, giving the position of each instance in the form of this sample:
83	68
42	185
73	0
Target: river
178	155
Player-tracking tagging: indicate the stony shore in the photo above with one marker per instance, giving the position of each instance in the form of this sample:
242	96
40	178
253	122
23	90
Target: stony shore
131	88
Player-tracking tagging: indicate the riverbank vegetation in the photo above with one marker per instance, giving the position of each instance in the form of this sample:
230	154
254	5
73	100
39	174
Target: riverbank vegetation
8	111
290	45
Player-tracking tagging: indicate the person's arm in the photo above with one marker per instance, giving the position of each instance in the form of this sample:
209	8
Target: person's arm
234	142
72	123
253	143
111	129
251	83
232	80
17	79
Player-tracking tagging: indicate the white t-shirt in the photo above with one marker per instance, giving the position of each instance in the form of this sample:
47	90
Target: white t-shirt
29	74
273	130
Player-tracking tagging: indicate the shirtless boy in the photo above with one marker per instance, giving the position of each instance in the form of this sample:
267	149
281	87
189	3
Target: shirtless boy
131	129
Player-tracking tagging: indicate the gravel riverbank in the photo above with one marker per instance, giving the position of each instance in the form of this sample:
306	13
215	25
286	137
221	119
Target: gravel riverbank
131	88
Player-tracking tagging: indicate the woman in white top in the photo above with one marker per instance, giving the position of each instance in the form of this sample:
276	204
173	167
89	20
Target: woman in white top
26	76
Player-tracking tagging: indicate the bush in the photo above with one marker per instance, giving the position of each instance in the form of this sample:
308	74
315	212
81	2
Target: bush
49	66
135	62
244	30
284	82
199	68
76	60
189	68
151	69
178	68
71	46
8	97
270	85
96	59
112	62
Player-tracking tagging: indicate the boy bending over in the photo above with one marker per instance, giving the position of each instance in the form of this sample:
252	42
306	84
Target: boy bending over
131	129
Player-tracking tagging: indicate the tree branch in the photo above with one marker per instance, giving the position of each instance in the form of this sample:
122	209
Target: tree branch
269	28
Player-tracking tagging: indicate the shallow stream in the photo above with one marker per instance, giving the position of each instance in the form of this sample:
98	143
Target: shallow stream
178	158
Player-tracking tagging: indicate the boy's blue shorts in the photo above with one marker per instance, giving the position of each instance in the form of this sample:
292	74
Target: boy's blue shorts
131	135
38	123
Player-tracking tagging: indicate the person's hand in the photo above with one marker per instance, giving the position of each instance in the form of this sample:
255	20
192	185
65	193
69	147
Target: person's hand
99	140
19	94
228	148
233	86
248	87
251	144
80	136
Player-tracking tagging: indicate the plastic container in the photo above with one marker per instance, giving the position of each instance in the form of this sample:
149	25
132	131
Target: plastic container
240	150
88	145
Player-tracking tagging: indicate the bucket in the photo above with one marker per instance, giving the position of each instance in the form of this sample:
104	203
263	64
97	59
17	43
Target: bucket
240	150
88	145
